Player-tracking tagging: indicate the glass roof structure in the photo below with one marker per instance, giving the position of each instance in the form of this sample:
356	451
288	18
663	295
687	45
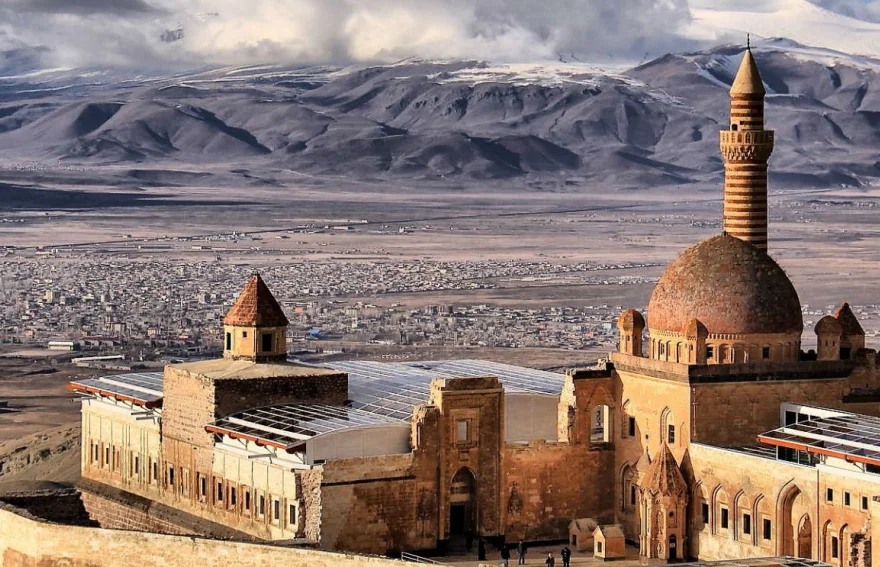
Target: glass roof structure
393	389
847	436
764	562
288	426
142	388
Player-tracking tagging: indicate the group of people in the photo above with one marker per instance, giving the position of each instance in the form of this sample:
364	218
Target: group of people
521	551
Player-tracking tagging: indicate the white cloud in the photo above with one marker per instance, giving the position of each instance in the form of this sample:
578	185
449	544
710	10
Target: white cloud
88	32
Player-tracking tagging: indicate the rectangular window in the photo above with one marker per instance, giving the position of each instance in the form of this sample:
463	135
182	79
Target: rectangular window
203	486
267	342
170	476
834	550
632	426
247	501
670	434
228	341
846	499
864	502
137	466
747	524
632	495
232	497
261	510
705	513
724	518
461	430
244	334
219	495
829	495
155	470
291	515
768	529
765	352
107	457
276	510
96	453
710	352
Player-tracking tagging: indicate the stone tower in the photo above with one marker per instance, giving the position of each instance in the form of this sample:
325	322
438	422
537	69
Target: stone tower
746	147
255	328
663	502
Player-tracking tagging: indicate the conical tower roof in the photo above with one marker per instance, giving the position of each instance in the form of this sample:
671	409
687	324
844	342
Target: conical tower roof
256	307
848	320
748	78
664	475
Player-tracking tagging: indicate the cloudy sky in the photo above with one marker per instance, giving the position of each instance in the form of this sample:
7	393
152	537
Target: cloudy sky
140	32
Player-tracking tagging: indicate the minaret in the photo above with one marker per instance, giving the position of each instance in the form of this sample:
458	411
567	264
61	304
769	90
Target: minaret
746	147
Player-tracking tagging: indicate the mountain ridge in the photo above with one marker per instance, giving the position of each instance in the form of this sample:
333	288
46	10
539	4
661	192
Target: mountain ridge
653	124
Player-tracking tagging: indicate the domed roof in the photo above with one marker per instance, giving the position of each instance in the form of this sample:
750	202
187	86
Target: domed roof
829	325
731	286
630	320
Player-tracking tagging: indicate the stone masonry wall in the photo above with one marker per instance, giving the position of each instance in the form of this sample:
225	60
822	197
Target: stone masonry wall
114	515
375	499
546	485
233	395
28	542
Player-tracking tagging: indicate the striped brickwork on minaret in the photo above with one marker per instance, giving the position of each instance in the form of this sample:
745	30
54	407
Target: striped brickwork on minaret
746	147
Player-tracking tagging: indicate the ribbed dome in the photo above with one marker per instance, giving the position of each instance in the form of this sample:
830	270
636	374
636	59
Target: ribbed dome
731	286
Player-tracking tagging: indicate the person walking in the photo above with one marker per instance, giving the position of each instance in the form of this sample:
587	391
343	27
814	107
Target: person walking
521	552
550	562
505	556
566	557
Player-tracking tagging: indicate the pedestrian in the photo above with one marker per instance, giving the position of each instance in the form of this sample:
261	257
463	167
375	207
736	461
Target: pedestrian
505	556
468	540
550	562
566	557
481	550
521	552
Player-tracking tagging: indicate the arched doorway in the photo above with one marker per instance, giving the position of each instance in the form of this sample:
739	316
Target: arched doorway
805	538
463	503
673	548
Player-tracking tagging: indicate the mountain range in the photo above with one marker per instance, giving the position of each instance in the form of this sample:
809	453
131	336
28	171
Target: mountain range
624	126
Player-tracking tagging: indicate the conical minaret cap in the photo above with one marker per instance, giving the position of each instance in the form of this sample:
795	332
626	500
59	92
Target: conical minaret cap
748	78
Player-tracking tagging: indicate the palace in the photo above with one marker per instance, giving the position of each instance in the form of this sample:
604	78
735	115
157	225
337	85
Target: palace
709	434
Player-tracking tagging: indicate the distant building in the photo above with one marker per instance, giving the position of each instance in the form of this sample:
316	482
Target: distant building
67	346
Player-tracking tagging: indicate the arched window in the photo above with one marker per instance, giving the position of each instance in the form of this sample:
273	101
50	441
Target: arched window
628	489
667	427
628	421
721	508
742	518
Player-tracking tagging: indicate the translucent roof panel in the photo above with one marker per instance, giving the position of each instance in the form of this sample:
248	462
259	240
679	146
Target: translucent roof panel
289	425
514	378
850	436
393	389
140	388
